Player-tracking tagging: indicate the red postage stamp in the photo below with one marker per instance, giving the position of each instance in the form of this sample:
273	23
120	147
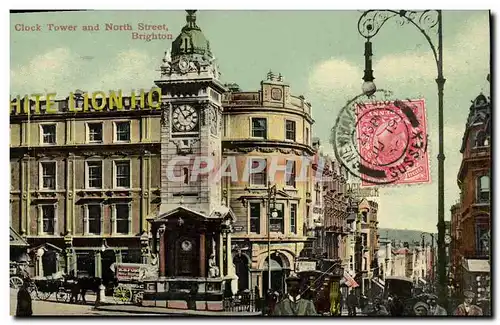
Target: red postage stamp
392	137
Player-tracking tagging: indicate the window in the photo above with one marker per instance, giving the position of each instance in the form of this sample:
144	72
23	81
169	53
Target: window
48	219
48	171
293	218
94	132
317	190
482	139
94	174
122	177
290	173
483	189
290	130
259	128
49	134
185	175
255	217
258	178
307	136
94	219
122	131
122	218
277	224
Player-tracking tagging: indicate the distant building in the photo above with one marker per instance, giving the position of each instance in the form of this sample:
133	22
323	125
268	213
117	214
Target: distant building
471	225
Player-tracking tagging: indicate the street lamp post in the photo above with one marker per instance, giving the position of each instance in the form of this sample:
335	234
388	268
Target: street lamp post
432	253
427	21
271	213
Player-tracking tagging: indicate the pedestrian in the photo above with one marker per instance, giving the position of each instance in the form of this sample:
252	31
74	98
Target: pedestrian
396	306
467	308
421	309
352	303
434	308
24	302
293	304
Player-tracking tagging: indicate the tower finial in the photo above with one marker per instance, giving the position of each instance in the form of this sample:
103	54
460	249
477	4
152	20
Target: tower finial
191	18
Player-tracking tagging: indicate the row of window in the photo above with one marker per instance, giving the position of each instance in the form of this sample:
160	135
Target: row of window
93	174
259	129
93	220
94	132
277	223
261	178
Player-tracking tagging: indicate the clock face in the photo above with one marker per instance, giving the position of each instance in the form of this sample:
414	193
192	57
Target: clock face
186	245
447	239
213	120
184	118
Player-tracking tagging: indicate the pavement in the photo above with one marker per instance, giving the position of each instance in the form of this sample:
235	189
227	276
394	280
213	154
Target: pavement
169	311
346	313
51	307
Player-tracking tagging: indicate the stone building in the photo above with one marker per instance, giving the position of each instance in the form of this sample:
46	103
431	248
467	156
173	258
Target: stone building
84	182
87	182
471	223
270	128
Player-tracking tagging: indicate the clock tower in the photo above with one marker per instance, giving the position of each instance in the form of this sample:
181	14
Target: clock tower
191	123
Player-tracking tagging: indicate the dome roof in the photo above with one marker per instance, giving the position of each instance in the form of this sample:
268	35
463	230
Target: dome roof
191	39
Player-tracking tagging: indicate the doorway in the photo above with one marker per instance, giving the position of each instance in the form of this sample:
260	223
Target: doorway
277	276
242	271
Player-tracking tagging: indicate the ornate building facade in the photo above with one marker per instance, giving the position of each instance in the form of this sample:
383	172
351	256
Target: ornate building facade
269	128
471	223
84	183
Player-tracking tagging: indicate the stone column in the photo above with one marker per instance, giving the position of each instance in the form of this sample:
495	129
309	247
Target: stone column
98	268
203	257
162	256
220	248
39	262
231	272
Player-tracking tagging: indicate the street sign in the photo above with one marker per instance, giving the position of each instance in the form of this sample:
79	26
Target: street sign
238	228
302	266
275	227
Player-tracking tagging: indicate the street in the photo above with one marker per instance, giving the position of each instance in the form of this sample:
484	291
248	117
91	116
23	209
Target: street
54	308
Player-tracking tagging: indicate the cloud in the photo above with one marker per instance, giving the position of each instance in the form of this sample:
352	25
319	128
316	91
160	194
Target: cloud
63	71
132	69
335	77
44	73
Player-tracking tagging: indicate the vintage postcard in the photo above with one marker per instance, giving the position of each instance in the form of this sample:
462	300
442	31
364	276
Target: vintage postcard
229	163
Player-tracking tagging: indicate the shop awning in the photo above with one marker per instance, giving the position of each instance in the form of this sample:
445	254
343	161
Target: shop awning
16	239
477	266
379	282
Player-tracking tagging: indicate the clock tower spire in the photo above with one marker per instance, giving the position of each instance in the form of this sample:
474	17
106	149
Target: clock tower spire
191	126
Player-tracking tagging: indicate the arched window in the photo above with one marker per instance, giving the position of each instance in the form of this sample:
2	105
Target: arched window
482	139
483	188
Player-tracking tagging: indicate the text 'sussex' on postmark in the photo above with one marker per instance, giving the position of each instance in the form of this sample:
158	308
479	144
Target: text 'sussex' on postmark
383	141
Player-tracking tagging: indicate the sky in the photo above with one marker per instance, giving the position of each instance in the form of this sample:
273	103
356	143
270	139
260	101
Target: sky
319	53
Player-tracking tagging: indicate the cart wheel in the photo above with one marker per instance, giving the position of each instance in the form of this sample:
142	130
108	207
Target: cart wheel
16	282
138	297
43	295
122	294
62	295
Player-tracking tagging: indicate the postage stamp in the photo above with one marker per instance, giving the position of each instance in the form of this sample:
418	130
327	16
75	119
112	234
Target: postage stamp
383	141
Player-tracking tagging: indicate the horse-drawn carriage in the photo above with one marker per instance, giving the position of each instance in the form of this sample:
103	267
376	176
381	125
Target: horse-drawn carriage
129	277
398	293
322	289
